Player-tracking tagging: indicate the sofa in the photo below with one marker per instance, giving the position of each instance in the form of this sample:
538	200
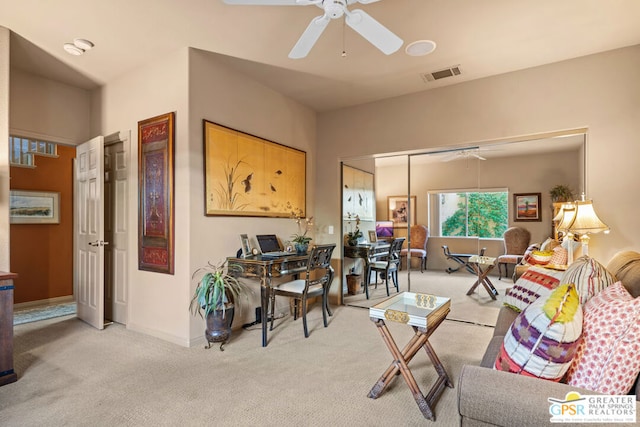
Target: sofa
490	397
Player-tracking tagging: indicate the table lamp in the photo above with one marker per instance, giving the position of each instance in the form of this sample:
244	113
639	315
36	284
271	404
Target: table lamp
586	222
565	217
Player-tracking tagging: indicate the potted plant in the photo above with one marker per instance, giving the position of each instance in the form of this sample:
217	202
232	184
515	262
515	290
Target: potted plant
561	193
217	295
300	239
355	234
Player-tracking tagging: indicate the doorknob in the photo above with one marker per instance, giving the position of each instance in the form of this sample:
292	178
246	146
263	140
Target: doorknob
98	243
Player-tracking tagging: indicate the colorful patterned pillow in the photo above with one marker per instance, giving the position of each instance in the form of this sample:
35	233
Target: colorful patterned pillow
534	283
543	339
539	257
559	257
607	359
589	276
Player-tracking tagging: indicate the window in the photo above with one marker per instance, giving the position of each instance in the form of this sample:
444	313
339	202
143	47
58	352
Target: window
23	150
483	214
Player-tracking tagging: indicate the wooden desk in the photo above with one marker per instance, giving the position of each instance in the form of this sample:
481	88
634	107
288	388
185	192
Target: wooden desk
264	270
424	313
368	252
482	266
7	375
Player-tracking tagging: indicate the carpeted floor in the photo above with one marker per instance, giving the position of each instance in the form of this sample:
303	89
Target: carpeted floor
43	313
476	308
72	374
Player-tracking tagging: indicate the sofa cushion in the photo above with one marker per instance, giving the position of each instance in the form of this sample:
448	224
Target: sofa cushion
607	359
535	282
559	257
539	257
625	266
543	339
589	276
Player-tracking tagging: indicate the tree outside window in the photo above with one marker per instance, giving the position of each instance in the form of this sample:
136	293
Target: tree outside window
474	214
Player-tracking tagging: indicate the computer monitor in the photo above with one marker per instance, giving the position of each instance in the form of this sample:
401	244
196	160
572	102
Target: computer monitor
384	229
268	243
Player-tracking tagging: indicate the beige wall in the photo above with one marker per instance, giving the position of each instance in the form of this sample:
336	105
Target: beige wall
223	96
599	92
158	303
53	111
200	89
4	149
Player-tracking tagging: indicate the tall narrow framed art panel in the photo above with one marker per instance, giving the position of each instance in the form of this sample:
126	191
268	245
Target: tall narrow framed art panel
155	194
249	176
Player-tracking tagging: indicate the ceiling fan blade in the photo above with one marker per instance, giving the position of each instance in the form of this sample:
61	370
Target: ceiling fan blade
273	2
478	156
364	1
310	36
376	33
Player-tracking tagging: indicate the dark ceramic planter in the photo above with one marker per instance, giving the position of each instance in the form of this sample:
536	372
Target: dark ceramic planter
219	326
301	248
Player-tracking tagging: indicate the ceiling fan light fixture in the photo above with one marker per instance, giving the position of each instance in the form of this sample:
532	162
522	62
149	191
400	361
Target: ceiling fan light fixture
420	48
83	44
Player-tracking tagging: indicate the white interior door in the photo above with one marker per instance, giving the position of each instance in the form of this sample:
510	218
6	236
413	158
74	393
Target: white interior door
89	232
116	229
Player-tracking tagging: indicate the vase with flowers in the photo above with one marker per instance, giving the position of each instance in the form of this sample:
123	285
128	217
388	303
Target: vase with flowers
354	235
300	239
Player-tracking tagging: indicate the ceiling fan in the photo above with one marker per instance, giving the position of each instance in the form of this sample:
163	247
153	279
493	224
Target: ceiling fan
460	154
374	32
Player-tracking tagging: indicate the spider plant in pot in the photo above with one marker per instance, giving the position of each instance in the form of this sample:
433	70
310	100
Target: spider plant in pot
217	294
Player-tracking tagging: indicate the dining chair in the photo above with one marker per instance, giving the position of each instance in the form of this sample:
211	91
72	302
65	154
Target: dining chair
316	282
419	235
516	241
387	267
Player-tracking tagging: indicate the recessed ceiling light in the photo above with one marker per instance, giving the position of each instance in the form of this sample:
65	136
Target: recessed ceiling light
73	49
420	48
83	44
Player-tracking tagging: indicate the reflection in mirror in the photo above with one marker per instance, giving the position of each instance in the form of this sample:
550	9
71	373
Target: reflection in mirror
471	180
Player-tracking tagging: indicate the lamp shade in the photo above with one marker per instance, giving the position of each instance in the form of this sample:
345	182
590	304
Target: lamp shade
568	213
585	220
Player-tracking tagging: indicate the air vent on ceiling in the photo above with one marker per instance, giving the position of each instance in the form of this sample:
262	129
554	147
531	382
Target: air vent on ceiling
442	74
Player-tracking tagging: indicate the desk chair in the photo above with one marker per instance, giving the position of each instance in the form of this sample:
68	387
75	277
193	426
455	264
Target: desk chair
387	267
417	246
516	241
316	282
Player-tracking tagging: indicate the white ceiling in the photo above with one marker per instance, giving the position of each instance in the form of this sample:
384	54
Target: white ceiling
485	38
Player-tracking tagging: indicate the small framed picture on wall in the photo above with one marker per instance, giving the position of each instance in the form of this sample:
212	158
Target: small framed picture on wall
402	209
526	207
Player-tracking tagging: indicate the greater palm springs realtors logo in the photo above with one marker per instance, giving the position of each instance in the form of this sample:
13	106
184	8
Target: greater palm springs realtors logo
576	408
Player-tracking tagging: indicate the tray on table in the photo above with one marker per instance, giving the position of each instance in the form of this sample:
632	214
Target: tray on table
411	308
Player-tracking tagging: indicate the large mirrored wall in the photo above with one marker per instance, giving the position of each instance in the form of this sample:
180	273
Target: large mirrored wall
441	181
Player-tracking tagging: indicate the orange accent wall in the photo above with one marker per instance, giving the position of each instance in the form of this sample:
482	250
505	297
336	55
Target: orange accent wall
42	254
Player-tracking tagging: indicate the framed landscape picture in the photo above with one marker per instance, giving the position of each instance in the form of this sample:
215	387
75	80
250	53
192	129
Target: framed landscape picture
34	207
526	207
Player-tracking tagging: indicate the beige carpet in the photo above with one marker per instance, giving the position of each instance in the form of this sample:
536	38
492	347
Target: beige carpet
71	374
475	308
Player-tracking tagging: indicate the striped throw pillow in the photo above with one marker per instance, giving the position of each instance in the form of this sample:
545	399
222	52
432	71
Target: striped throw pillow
543	339
589	276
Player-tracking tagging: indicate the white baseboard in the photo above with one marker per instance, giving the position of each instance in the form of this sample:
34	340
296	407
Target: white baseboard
43	302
